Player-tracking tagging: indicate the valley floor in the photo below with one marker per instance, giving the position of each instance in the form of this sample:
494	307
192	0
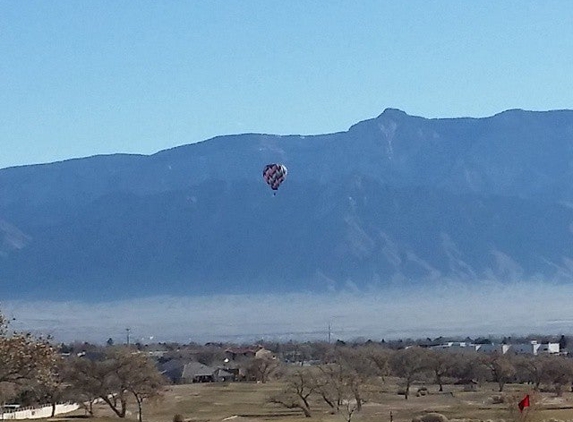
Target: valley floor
247	402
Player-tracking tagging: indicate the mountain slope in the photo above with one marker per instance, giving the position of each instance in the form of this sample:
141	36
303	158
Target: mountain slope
393	202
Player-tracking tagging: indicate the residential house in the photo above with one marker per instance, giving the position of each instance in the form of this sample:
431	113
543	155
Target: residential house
197	372
172	370
237	354
263	353
182	372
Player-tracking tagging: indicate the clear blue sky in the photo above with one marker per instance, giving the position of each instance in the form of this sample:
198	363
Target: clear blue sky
81	77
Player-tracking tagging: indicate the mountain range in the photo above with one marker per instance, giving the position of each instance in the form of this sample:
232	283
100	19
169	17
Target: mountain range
395	202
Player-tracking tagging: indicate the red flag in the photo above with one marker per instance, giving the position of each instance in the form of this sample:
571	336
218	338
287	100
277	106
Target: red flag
523	403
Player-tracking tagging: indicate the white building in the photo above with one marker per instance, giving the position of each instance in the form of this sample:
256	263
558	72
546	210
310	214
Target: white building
532	348
493	348
535	348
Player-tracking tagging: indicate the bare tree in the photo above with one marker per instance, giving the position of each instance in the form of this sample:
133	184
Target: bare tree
330	384
84	376
209	354
261	368
469	366
356	368
97	377
141	379
380	359
530	369
557	372
116	374
341	388
441	364
501	367
409	364
348	409
23	357
299	387
52	386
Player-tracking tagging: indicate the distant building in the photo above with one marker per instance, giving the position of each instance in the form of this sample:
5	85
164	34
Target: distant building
493	348
263	353
181	372
532	348
456	346
535	348
197	372
237	354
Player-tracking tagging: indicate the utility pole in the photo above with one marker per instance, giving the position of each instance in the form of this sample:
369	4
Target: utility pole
127	331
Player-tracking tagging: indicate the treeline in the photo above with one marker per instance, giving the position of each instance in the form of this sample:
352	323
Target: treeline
34	372
342	375
349	375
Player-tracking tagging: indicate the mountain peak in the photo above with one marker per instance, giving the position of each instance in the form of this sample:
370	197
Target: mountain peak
388	114
396	198
393	112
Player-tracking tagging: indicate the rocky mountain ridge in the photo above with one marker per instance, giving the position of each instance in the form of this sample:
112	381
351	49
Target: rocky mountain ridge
395	201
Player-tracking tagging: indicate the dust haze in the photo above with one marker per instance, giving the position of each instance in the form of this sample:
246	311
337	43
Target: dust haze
447	309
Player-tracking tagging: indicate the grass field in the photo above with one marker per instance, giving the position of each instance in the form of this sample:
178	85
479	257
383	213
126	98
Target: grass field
247	402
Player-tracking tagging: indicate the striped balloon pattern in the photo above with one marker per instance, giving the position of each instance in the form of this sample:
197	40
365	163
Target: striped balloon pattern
274	175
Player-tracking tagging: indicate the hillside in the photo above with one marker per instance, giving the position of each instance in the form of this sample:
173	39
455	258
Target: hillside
393	202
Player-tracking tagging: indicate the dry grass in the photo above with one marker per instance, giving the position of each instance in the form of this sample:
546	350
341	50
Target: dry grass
246	402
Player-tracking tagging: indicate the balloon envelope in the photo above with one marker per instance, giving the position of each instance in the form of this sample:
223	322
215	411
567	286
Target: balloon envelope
274	175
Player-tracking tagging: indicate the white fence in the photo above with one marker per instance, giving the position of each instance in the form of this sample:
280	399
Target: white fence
38	412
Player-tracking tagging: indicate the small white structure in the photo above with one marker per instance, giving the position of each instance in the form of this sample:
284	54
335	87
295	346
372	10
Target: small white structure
551	348
39	412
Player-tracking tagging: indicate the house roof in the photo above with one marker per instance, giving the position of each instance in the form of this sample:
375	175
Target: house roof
196	369
172	368
264	354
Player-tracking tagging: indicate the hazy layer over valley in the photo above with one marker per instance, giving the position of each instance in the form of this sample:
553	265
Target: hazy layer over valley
373	226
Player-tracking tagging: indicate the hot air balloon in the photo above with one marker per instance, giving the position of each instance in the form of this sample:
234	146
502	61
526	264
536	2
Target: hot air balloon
274	175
